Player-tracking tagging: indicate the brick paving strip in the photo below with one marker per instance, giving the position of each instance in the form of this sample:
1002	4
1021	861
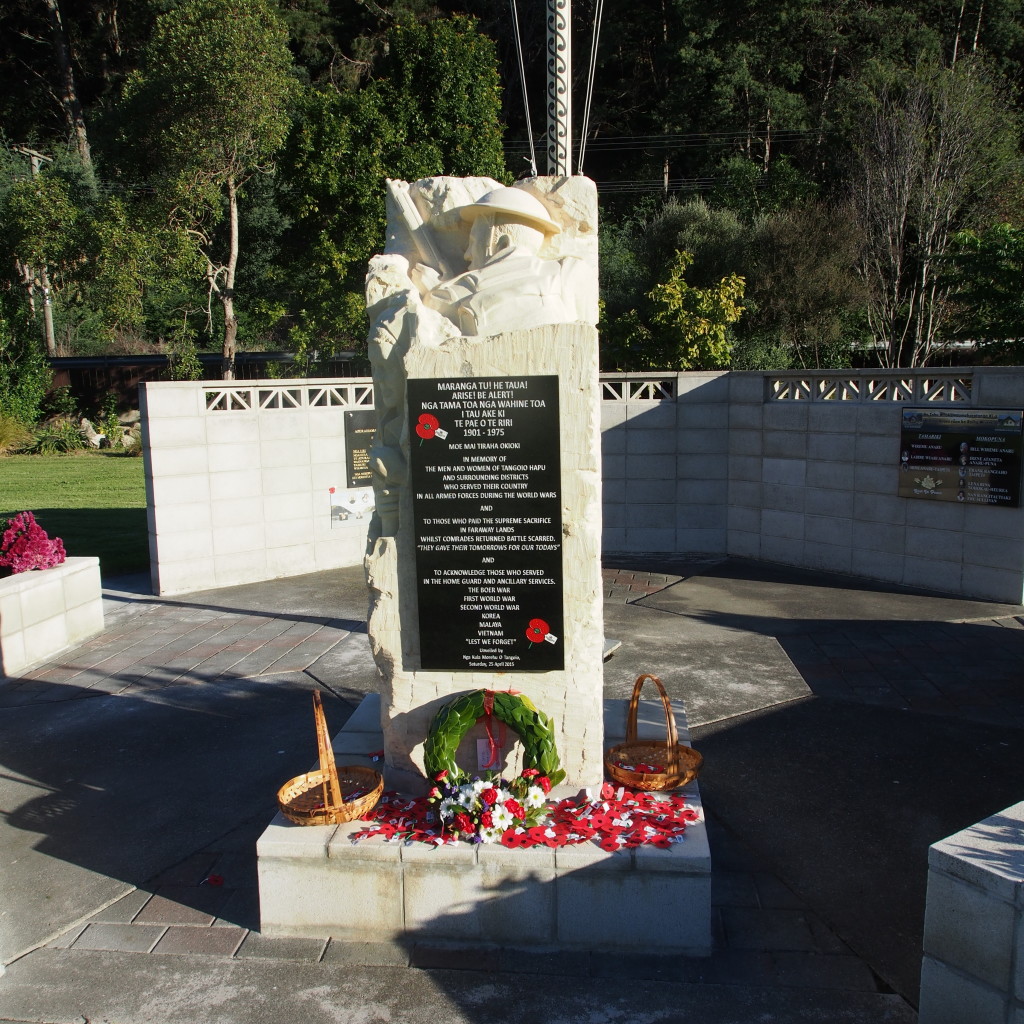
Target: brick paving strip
164	645
627	585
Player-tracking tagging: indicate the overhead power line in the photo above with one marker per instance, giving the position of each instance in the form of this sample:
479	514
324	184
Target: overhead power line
612	143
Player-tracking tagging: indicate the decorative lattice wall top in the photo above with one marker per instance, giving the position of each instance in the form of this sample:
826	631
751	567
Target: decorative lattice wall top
870	386
629	388
354	394
947	386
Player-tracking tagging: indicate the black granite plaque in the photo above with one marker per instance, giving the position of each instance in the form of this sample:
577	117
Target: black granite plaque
967	455
360	426
486	488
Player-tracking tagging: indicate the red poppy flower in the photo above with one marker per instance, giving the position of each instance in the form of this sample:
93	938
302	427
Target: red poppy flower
429	420
489	796
215	880
515	808
537	630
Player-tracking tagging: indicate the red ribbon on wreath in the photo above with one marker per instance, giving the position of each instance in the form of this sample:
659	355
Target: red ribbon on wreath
494	747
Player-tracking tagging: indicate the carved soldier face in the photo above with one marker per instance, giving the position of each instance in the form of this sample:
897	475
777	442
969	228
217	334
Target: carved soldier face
479	241
490	234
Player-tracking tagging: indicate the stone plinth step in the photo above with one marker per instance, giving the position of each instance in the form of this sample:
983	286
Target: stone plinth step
314	881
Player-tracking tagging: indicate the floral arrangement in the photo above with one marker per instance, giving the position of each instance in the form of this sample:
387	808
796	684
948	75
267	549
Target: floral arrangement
24	545
518	815
482	810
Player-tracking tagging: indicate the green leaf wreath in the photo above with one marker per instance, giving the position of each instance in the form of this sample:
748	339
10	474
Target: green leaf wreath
517	711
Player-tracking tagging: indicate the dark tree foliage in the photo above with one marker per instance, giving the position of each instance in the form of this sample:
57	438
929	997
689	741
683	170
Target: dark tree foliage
756	108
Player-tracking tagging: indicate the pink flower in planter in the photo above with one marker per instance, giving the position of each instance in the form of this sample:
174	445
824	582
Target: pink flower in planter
25	545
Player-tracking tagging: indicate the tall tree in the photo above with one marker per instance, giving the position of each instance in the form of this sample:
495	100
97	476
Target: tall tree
210	105
430	107
936	147
39	237
985	270
69	98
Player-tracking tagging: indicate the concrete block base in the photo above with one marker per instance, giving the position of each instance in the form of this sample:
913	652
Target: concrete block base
314	881
974	924
43	612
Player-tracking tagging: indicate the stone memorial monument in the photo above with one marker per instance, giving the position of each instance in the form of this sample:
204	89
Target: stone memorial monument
483	556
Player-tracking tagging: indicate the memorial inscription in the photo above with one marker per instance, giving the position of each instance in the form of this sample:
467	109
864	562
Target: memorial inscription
967	455
486	489
360	425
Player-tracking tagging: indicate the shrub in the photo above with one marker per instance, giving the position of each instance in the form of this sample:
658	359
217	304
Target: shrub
13	433
61	402
24	545
24	379
57	437
133	441
110	424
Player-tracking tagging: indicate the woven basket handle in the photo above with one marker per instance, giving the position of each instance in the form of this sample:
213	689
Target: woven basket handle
672	734
332	788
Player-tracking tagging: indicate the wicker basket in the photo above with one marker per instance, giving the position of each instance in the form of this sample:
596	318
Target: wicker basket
675	764
329	796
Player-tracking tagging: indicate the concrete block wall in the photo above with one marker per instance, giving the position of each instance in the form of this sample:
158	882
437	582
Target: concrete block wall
239	478
973	964
773	467
813	483
43	612
665	462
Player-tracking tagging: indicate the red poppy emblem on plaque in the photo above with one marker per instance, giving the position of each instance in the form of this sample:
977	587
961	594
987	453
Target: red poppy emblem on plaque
427	426
537	630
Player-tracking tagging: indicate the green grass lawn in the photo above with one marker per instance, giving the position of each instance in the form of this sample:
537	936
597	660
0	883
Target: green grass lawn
94	501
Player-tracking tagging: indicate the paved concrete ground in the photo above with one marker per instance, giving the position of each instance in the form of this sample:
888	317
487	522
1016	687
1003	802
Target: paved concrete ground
845	727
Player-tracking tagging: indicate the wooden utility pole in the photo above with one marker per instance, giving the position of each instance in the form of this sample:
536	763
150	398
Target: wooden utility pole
559	86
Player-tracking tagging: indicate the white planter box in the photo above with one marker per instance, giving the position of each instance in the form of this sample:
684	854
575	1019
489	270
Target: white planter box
43	612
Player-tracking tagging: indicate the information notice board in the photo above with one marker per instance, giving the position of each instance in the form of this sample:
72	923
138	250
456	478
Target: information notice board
966	455
486	488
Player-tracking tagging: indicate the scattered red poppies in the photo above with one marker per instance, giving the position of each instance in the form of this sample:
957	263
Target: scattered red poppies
619	819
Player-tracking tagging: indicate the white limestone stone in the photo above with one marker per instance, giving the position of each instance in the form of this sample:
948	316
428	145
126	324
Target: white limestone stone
484	282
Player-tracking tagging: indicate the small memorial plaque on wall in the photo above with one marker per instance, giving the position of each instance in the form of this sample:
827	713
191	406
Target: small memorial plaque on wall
967	455
360	426
486	487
